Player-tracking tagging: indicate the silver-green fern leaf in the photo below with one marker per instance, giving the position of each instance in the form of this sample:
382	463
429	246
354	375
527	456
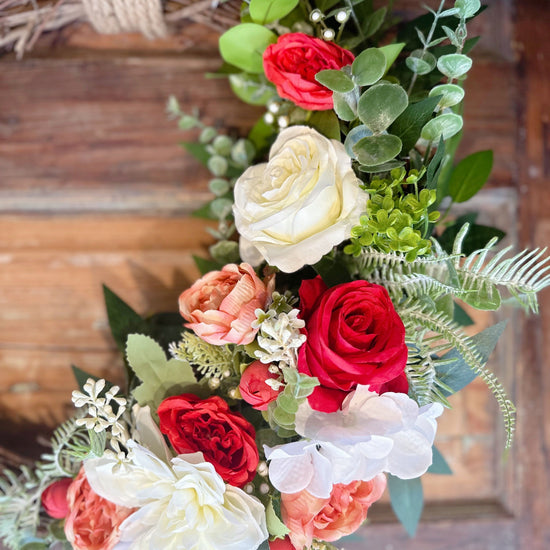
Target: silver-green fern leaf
418	319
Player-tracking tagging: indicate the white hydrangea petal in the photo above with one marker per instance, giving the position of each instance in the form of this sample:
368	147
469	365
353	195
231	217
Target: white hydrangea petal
291	466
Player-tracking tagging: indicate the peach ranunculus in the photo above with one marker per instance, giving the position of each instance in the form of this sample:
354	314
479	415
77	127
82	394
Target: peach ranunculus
329	519
220	306
93	522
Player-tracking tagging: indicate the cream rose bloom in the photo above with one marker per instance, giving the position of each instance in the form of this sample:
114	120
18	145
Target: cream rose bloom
293	209
182	505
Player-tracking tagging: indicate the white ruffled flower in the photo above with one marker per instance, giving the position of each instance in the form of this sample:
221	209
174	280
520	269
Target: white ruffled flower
184	504
370	435
293	209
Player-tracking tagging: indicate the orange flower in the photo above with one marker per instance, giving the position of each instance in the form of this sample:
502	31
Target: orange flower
220	306
93	522
329	519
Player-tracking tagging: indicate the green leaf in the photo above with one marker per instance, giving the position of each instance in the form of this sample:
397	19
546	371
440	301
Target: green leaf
81	377
444	126
161	377
261	135
461	317
267	11
374	22
421	62
435	166
325	122
375	150
332	271
205	265
454	65
409	123
470	174
467	8
407	501
244	45
198	150
251	88
354	135
380	105
477	237
369	67
275	526
204	212
342	106
391	52
458	374
123	320
450	94
439	464
335	80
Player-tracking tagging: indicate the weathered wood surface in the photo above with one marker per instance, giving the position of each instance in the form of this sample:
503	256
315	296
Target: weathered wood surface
93	188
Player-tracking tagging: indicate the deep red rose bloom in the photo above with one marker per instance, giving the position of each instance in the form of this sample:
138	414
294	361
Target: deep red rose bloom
292	63
226	438
354	336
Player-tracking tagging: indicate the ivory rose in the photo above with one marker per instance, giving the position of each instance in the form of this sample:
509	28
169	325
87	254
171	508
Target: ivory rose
292	63
293	209
93	522
331	518
54	498
220	306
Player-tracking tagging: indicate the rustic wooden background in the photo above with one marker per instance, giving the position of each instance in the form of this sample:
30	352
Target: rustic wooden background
95	189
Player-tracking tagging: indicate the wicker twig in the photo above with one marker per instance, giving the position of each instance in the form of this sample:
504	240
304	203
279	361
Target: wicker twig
22	22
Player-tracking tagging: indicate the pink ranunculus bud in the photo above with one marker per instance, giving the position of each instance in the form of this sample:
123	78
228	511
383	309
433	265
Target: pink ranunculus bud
281	544
253	387
219	307
54	498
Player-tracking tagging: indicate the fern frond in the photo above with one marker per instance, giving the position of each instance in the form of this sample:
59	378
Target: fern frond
209	360
417	317
522	275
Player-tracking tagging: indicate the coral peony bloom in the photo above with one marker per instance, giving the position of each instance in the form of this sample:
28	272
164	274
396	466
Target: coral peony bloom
292	63
254	388
93	522
329	519
220	306
354	336
54	498
226	439
293	209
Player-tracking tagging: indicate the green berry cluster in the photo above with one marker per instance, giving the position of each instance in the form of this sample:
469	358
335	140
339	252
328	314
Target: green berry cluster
397	216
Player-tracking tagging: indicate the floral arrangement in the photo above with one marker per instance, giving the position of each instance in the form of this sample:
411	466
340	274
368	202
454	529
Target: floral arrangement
319	348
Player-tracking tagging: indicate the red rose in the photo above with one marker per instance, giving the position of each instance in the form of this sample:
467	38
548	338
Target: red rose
54	498
253	387
281	544
226	439
354	336
292	63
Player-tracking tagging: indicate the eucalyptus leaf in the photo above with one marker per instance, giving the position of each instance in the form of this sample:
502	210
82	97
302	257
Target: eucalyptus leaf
244	45
386	167
267	11
408	124
457	374
380	105
451	94
454	65
407	501
354	135
444	126
470	175
375	150
335	80
421	62
369	67
344	106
